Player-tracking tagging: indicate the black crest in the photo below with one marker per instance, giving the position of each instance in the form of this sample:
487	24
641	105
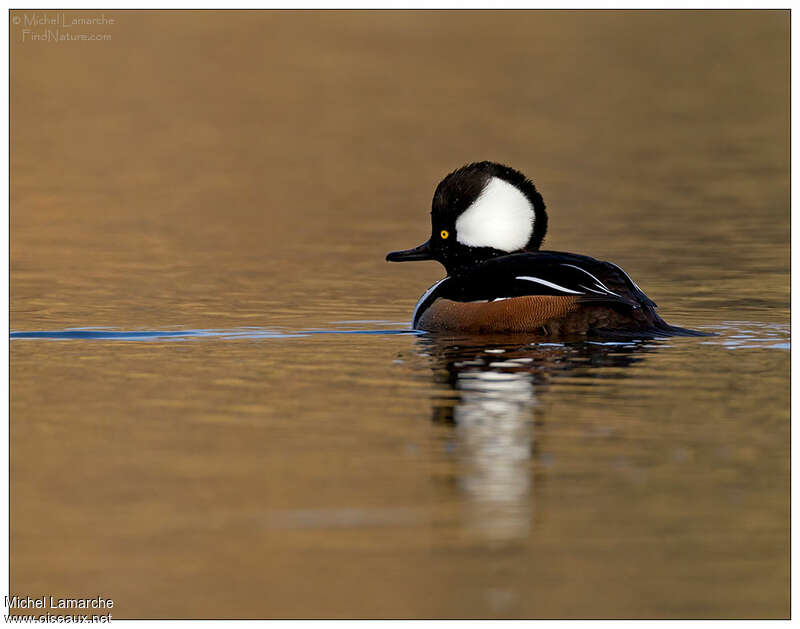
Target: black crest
456	192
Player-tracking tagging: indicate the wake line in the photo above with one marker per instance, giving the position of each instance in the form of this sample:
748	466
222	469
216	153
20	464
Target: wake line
181	335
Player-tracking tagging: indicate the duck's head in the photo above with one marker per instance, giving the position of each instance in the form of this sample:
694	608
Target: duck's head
481	211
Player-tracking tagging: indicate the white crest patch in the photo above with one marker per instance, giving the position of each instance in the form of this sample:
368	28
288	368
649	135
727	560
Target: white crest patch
501	217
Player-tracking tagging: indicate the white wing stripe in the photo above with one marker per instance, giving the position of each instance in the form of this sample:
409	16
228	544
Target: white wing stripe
550	284
590	275
599	283
626	275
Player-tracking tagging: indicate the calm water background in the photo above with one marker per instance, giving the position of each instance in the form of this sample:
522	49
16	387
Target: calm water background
244	173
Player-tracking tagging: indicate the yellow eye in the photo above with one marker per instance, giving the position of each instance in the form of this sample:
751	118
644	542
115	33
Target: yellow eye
444	234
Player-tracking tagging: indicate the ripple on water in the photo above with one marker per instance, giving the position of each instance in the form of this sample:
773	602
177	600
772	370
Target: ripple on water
750	335
252	333
730	334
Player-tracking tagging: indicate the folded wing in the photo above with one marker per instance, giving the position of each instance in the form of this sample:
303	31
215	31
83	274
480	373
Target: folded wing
546	273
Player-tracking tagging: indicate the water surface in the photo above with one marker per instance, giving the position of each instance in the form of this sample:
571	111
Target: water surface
218	408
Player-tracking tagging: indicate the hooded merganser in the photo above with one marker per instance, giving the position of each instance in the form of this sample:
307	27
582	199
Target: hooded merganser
488	223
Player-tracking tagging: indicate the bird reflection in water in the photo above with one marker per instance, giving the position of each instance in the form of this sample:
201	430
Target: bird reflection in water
492	390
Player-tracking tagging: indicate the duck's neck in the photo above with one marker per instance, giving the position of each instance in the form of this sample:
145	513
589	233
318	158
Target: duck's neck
457	262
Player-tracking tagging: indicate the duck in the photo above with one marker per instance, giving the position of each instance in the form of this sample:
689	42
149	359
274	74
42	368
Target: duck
488	222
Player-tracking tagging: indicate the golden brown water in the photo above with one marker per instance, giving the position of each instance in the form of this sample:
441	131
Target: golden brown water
236	179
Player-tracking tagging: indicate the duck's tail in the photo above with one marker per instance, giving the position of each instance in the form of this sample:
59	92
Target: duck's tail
655	328
674	330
